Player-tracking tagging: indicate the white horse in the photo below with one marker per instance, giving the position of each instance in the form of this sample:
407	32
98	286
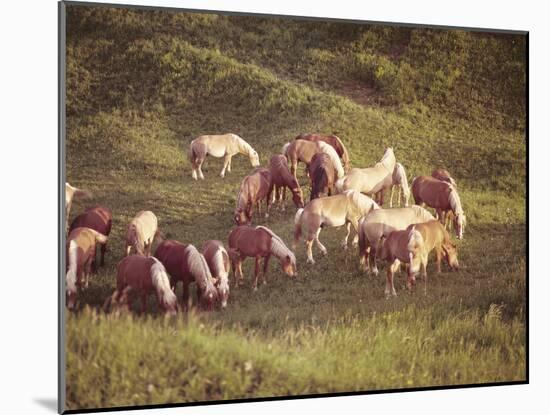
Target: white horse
379	223
342	209
225	145
372	180
399	180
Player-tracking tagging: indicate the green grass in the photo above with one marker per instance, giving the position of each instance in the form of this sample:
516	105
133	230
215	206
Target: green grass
140	89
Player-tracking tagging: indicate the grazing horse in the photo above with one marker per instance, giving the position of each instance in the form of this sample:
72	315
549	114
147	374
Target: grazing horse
302	150
99	219
322	175
379	223
142	231
444	176
254	188
184	263
342	209
258	242
71	193
225	145
334	141
219	264
441	196
372	180
142	276
81	246
281	178
434	237
399	180
395	250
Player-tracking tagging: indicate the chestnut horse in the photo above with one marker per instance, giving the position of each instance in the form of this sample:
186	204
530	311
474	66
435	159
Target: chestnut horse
255	188
342	209
322	175
81	247
142	231
99	219
281	178
258	242
71	193
302	150
184	263
334	141
225	145
444	176
219	264
441	196
142	276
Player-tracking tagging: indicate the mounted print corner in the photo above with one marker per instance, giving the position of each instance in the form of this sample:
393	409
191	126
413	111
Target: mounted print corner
260	207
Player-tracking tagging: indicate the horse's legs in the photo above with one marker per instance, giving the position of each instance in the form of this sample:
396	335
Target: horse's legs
256	273
373	250
229	164
391	196
264	271
318	242
127	248
355	225
226	161
399	201
199	168
309	244
143	302
381	193
345	241
185	296
390	288
438	252
283	198
103	250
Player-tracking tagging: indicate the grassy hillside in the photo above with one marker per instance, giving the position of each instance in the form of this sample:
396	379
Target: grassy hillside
142	84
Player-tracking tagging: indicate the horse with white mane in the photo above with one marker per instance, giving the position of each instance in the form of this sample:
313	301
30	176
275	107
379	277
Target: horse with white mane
379	223
186	264
399	180
334	141
258	242
225	145
141	276
219	263
371	181
303	150
342	209
441	196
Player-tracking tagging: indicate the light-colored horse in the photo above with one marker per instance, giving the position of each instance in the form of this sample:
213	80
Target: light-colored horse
219	263
71	193
372	180
225	145
334	141
342	209
399	180
303	150
142	231
379	223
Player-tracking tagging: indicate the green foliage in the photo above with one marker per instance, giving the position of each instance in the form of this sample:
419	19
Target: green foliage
142	84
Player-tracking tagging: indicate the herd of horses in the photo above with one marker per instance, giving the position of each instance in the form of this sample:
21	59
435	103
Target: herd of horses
339	196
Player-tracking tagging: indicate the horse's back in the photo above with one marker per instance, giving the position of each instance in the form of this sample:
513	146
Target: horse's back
172	255
432	232
98	218
433	192
135	271
249	240
218	145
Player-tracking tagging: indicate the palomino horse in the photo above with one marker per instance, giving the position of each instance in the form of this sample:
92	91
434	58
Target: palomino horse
254	188
99	219
399	180
142	276
322	175
334	141
441	196
342	209
184	263
81	244
142	231
258	242
225	145
372	180
444	176
379	223
281	178
70	194
219	264
302	150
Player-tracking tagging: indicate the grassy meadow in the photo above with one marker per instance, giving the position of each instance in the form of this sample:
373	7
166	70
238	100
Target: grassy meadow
142	84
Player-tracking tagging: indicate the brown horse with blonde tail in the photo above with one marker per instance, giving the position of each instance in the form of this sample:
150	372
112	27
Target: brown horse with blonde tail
282	178
99	219
141	276
258	242
254	189
81	247
186	264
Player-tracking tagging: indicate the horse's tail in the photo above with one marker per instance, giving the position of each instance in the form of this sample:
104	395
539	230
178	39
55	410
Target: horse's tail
191	153
320	181
110	300
298	226
285	148
363	241
339	185
99	237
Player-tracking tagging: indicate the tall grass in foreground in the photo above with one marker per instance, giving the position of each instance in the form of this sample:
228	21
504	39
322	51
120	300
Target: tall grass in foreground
158	361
